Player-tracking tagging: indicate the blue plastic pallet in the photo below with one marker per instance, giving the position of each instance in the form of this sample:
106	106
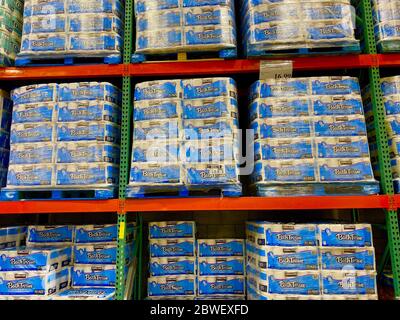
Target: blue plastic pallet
315	189
57	194
180	191
222	54
39	61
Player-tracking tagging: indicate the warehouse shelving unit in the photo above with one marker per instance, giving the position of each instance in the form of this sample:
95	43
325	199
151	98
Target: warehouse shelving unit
371	61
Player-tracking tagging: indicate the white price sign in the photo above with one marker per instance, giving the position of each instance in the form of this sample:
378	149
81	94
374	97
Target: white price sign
276	69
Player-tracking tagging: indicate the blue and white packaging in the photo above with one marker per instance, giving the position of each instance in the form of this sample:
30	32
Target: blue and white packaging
290	127
94	234
332	170
87	152
349	282
294	282
156	130
214	128
38	176
340	126
151	174
12	237
209	87
330	31
165	41
157	109
88	131
161	248
101	43
291	235
392	104
32	132
95	174
145	5
296	87
85	294
34	112
172	286
172	266
337	105
59	236
211	174
210	36
26	283
208	15
222	285
162	89
101	91
158	19
156	151
94	254
293	258
32	153
220	248
342	147
275	149
279	107
43	44
96	6
37	7
209	151
221	266
172	229
394	145
345	235
45	259
393	125
273	33
45	24
101	22
89	111
347	258
93	275
218	107
390	85
37	93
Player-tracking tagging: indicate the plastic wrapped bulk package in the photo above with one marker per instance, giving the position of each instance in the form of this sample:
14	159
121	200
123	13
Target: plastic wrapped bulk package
5	124
297	26
310	137
386	16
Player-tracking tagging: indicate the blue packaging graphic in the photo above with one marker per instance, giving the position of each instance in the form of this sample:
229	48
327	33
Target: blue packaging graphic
335	86
85	294
40	175
282	128
203	174
100	254
87	152
348	282
172	266
210	151
284	171
338	235
291	235
292	258
210	35
219	107
172	286
342	147
12	237
232	285
390	86
340	126
347	259
33	153
88	131
294	282
156	109
330	31
345	170
100	42
89	234
95	23
102	91
210	15
206	129
392	104
95	174
156	130
209	87
96	6
50	235
94	275
273	32
89	111
337	105
167	40
156	151
32	132
167	89
144	5
36	112
393	125
172	248
273	149
221	266
38	93
158	19
279	107
172	229
44	43
267	13
44	259
220	248
289	88
44	24
155	173
327	11
46	7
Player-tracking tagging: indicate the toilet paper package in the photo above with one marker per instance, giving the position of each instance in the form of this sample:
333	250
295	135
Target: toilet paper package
161	248
94	275
101	22
32	132
218	107
172	286
94	254
210	151
87	152
37	93
208	15
392	104
99	43
288	127
144	5
278	171
12	237
293	258
294	282
385	11
331	170
45	24
88	131
221	266
85	294
44	259
156	90
172	266
95	174
342	147
395	164
349	282
340	126
158	19
291	235
37	7
103	234
349	297
332	31
214	128
340	235
222	285
275	149
39	175
393	125
159	41
347	258
211	173
281	34
100	91
34	112
164	151
157	109
390	85
220	248
337	105
209	87
41	44
95	6
279	107
172	229
33	282
394	145
157	130
89	111
32	153
297	87
50	236
213	37
257	231
152	174
387	30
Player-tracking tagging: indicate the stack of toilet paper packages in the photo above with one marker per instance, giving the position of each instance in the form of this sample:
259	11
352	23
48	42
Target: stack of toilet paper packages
309	130
221	268
10	30
310	262
65	135
185	133
297	24
386	16
184	25
58	28
12	237
172	266
5	123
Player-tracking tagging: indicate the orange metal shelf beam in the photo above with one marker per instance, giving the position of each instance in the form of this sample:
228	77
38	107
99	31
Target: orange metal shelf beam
257	203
